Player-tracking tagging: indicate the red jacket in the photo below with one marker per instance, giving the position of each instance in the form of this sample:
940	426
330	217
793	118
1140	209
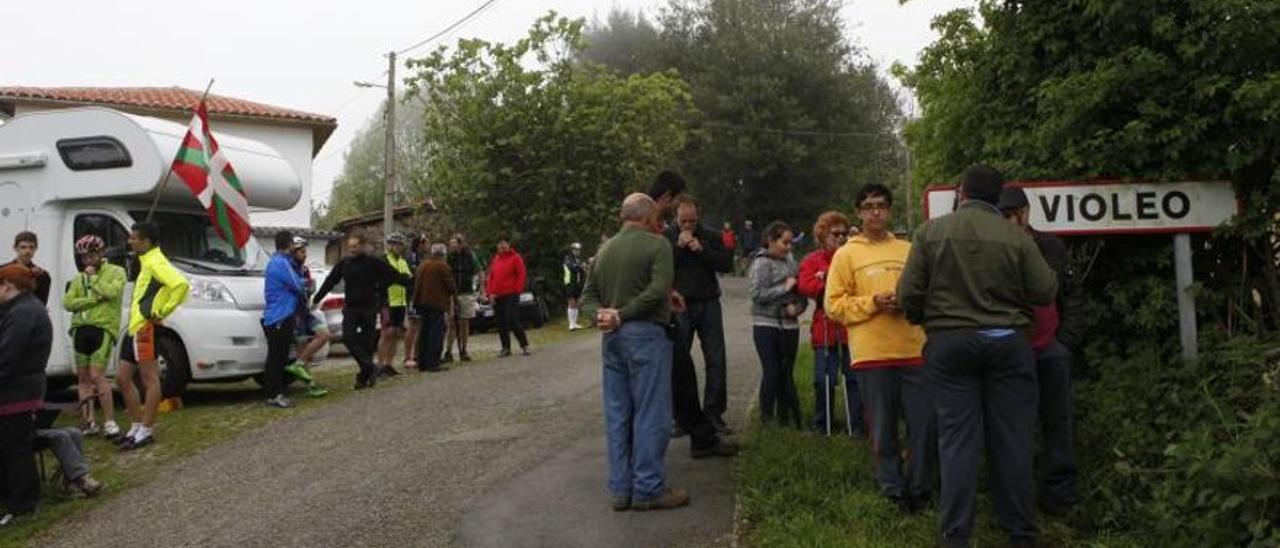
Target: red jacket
1045	327
728	239
506	275
813	286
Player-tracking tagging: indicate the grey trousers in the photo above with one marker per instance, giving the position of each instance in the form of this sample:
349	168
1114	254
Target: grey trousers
1053	368
984	389
889	395
68	446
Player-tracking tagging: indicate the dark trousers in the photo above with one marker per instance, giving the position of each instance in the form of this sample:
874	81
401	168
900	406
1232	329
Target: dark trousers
19	478
279	341
777	350
360	335
684	395
830	364
1053	369
430	337
508	311
984	388
894	395
705	319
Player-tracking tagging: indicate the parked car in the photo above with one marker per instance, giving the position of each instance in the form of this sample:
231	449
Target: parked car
534	312
331	306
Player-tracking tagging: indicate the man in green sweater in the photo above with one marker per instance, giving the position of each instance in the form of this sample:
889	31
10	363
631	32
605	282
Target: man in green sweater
627	290
93	298
971	280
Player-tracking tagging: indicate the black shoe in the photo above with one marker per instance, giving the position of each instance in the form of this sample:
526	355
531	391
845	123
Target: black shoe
721	428
505	352
362	383
137	443
621	504
388	371
721	449
436	369
464	357
678	432
525	351
448	358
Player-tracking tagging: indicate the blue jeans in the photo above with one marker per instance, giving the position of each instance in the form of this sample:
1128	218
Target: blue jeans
637	408
829	364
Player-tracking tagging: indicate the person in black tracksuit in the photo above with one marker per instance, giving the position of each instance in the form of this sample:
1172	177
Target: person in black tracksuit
367	279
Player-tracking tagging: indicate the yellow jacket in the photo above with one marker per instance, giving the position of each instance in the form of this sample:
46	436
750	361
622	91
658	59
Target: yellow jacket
158	292
860	270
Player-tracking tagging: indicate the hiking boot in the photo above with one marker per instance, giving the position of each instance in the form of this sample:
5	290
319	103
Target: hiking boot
721	449
621	503
447	358
87	485
316	391
299	371
673	497
279	402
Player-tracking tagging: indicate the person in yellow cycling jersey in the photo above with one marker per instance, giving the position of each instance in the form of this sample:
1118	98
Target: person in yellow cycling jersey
397	306
158	291
93	297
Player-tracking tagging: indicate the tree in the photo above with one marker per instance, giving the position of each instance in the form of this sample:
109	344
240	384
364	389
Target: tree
359	188
794	117
524	140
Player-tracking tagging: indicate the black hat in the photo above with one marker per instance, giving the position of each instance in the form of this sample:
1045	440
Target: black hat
983	182
1013	197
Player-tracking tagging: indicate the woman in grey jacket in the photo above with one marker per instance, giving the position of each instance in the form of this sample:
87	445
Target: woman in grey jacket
775	309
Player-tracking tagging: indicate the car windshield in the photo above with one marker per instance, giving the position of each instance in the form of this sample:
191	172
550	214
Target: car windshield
190	242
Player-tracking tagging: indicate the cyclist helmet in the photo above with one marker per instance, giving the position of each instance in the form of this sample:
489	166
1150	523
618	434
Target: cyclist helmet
299	242
89	244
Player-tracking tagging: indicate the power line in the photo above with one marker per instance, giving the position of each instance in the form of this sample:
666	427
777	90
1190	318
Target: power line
449	28
724	125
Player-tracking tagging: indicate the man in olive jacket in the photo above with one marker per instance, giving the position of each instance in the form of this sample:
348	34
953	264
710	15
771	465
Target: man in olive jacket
971	280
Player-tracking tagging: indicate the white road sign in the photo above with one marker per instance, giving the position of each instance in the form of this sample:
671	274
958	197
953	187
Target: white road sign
1115	207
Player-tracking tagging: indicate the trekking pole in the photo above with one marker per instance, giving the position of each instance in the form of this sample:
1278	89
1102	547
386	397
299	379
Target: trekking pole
826	372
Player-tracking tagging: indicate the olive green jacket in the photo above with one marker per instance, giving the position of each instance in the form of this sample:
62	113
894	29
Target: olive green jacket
974	270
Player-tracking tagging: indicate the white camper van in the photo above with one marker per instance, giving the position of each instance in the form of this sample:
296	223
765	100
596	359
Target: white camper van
67	173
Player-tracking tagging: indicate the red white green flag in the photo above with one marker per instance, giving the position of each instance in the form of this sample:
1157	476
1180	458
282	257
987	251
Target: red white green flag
202	166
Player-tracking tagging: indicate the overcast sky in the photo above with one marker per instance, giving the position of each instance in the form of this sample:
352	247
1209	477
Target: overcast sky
305	54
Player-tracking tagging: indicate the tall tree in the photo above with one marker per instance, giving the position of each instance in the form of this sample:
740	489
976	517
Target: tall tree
524	140
795	118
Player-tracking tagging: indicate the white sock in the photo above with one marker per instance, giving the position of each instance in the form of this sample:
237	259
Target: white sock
133	430
143	433
573	317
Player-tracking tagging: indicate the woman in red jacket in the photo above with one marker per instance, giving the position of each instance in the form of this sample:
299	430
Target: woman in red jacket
829	339
505	283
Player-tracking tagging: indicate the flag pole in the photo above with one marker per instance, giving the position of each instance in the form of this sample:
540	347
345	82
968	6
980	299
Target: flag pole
165	181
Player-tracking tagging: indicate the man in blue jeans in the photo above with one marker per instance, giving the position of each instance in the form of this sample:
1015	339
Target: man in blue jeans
627	291
972	280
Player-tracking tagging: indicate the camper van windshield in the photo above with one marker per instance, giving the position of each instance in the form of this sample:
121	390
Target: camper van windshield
190	242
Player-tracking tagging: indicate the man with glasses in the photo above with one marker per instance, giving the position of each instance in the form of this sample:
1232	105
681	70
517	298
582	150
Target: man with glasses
861	293
699	256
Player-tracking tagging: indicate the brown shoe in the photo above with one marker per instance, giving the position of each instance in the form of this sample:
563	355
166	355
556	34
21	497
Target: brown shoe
673	497
87	485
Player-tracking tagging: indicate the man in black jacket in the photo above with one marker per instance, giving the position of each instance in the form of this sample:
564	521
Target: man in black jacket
26	336
367	279
703	440
699	256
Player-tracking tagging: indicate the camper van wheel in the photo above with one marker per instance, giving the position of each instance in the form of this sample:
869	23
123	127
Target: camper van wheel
175	369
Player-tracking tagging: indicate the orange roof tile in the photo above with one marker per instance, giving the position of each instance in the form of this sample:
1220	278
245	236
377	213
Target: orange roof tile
171	99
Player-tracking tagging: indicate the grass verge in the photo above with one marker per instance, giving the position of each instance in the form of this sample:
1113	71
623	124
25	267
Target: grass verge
211	414
800	489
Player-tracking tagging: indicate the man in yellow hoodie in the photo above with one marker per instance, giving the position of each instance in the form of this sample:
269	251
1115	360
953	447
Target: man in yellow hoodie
886	350
158	291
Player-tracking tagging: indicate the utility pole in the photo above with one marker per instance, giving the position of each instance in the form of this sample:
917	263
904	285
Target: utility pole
389	163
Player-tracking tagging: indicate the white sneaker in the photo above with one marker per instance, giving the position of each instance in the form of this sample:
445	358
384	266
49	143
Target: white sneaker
111	429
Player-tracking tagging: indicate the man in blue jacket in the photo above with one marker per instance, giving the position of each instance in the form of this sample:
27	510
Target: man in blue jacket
285	294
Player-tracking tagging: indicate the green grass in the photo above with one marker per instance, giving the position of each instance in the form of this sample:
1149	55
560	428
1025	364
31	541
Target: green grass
800	489
212	414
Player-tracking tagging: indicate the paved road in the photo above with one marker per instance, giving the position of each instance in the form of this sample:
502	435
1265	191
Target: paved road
500	453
